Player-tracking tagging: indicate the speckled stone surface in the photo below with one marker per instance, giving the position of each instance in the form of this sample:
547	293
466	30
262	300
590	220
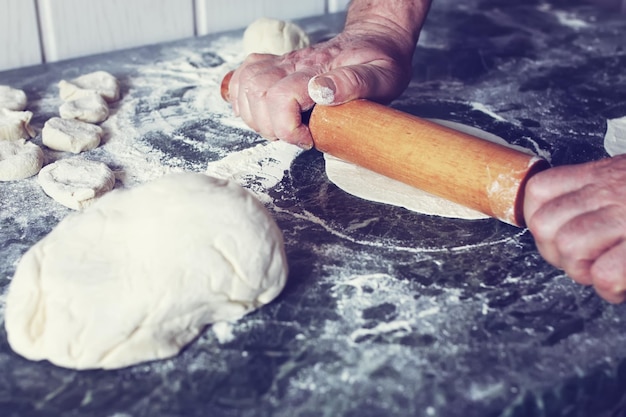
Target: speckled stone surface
386	312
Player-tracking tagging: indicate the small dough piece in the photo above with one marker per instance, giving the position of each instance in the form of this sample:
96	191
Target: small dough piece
12	98
19	159
139	274
272	36
15	125
75	182
70	135
90	107
101	82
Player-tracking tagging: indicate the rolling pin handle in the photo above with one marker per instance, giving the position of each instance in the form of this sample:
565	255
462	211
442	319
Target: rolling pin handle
224	87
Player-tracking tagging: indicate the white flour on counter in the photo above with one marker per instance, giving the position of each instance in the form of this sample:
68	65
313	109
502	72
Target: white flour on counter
258	169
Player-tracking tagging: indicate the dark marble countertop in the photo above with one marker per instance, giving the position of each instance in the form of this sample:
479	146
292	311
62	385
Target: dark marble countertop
386	312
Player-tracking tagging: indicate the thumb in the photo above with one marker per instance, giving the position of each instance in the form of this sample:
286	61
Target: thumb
353	82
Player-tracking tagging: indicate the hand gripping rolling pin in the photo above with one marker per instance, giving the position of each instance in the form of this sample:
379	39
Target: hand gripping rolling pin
473	172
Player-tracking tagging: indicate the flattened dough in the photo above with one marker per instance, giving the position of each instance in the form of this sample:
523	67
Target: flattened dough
15	125
615	136
139	274
12	98
100	82
272	36
371	186
89	107
70	135
76	182
19	159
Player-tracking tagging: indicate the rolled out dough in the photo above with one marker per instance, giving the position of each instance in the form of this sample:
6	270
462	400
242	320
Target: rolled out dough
139	274
371	186
615	136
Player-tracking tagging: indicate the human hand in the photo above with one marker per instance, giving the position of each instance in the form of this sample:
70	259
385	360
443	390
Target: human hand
270	92
577	215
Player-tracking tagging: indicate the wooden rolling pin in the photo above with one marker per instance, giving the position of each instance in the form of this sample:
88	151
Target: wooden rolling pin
473	172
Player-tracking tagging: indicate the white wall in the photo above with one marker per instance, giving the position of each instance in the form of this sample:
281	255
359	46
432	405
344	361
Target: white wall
338	5
19	36
71	28
36	31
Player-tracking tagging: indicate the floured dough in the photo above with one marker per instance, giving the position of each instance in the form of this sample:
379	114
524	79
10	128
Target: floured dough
12	98
139	274
89	107
70	135
76	182
371	186
15	125
615	136
19	159
100	82
272	36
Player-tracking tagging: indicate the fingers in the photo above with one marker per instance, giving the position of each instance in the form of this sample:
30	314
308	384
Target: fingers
271	100
563	222
577	215
609	274
583	240
370	81
548	185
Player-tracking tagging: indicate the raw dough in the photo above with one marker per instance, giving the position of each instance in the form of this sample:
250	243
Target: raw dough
12	98
272	36
76	182
15	125
70	135
19	159
89	107
615	136
139	274
369	185
101	82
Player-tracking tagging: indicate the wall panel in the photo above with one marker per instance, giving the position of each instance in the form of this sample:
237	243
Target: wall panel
337	5
19	36
72	28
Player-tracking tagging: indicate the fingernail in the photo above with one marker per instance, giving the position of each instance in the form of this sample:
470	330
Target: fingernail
305	145
322	90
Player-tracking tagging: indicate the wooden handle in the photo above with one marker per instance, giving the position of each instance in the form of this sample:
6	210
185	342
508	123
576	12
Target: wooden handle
473	172
224	86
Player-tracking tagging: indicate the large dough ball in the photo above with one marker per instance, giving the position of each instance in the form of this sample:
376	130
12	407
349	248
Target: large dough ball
271	36
138	274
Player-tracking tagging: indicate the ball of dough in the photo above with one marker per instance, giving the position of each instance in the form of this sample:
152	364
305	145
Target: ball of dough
271	36
12	98
70	135
89	107
139	274
15	125
75	182
100	82
19	159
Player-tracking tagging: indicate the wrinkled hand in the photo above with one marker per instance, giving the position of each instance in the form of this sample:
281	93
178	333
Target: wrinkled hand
577	215
270	92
